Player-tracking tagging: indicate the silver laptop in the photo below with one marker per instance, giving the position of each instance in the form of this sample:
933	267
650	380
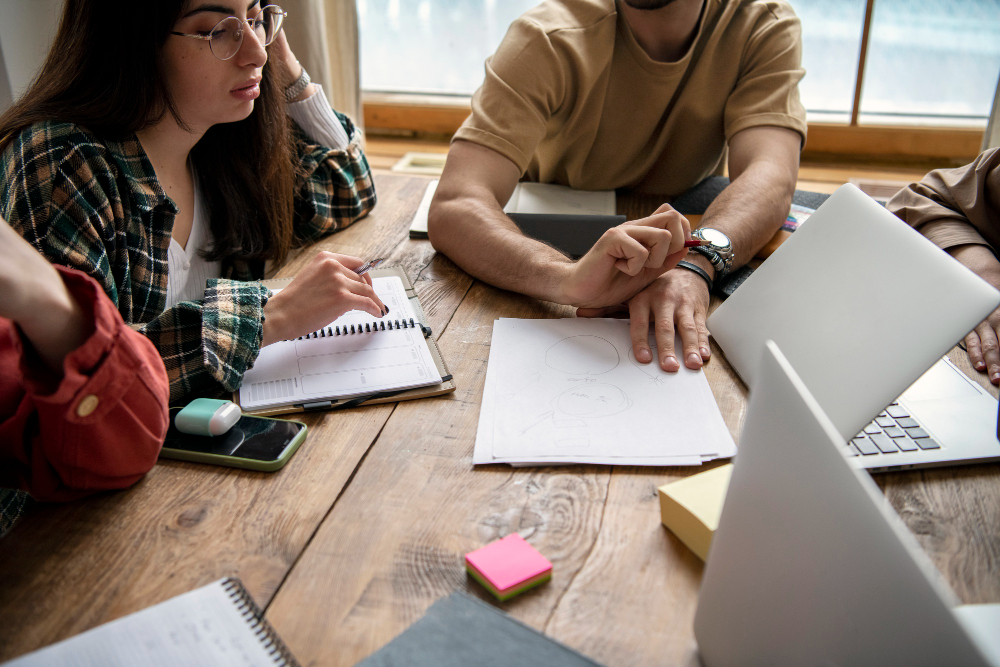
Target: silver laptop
862	305
811	566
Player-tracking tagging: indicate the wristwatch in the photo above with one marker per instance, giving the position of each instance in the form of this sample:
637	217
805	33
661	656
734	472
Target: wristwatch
719	250
298	86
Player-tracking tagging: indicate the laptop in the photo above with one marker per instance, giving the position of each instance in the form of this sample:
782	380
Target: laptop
862	305
811	566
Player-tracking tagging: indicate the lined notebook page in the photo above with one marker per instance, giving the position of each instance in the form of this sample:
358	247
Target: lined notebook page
355	355
208	627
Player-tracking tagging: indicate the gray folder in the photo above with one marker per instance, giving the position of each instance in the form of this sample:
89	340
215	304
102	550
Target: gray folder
459	630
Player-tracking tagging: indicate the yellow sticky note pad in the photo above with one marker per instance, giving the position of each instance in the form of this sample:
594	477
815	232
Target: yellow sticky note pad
691	507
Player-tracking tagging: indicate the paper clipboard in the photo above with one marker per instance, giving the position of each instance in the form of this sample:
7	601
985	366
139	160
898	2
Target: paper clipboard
446	386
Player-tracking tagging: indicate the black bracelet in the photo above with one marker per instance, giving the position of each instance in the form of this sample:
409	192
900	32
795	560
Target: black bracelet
700	271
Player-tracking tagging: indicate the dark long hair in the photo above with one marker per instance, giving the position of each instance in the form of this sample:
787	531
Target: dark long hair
103	73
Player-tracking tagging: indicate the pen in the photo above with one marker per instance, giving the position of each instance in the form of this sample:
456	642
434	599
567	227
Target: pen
368	266
694	243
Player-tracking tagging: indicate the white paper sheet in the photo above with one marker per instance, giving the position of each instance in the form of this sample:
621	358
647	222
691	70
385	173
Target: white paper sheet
570	391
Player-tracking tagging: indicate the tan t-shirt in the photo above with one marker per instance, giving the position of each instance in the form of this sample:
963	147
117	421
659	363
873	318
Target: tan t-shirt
955	207
570	97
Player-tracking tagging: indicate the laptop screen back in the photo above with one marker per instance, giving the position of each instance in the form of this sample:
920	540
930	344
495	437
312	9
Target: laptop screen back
808	565
859	302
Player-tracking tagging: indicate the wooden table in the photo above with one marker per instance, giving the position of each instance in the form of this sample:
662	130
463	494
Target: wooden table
366	526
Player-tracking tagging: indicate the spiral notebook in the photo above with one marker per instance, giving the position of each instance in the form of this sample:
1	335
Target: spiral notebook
218	625
356	359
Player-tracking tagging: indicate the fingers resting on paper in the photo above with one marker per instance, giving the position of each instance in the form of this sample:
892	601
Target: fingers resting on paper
673	304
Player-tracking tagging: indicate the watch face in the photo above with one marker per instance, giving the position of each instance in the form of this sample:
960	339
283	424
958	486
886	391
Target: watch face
715	237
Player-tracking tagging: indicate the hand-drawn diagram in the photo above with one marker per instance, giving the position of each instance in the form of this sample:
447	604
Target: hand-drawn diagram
568	419
583	355
572	408
560	390
591	400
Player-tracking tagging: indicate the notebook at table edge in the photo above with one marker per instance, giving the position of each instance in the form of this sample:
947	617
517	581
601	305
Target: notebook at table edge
431	639
727	323
446	386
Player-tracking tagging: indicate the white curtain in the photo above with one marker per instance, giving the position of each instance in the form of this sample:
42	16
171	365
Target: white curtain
324	36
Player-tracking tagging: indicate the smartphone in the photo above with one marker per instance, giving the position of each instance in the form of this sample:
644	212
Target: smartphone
256	443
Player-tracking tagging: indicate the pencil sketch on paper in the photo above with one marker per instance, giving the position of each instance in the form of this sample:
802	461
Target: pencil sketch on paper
583	355
572	408
561	390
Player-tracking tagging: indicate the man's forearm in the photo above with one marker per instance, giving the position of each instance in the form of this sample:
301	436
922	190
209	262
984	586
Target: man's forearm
763	166
752	208
487	244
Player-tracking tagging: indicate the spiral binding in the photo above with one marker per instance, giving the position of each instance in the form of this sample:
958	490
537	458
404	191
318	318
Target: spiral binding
371	327
254	617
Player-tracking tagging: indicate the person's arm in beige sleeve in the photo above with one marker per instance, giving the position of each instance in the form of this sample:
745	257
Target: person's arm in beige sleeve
525	81
467	223
959	210
763	165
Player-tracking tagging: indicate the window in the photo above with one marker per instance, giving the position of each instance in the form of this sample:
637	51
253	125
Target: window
931	60
831	42
431	46
928	61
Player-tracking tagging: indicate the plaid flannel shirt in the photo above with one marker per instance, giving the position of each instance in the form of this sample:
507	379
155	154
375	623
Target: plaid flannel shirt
95	205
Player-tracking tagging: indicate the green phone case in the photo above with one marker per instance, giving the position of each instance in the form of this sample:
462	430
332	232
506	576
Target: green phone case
236	461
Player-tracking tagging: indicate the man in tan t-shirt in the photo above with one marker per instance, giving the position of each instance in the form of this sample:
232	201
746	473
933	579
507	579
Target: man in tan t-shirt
959	210
638	94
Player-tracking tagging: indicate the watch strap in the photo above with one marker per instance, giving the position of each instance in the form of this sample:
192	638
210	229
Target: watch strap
711	255
697	269
296	88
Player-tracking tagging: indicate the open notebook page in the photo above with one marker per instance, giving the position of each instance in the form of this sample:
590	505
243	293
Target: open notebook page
201	628
382	354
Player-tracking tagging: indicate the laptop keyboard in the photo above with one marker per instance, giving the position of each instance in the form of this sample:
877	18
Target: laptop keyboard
893	431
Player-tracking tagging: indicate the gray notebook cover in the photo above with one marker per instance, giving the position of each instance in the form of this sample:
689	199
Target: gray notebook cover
459	630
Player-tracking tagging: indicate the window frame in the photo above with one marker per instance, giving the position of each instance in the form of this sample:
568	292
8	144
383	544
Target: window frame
441	115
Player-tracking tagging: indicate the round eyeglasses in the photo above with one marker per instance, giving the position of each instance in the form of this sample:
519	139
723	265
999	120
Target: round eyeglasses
226	38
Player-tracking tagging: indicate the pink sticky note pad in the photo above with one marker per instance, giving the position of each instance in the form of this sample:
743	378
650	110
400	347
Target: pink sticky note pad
508	562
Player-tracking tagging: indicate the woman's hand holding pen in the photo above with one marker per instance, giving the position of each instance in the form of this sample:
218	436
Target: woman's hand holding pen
324	290
626	259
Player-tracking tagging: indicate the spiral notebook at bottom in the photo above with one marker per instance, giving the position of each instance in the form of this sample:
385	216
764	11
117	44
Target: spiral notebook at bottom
218	625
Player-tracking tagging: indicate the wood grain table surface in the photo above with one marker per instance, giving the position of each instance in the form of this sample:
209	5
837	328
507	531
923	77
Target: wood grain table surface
367	525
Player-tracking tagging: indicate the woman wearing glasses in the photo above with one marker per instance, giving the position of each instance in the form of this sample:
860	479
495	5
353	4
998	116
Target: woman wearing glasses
166	153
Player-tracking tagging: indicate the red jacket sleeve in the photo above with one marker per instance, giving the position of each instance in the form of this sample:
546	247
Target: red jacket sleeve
101	425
